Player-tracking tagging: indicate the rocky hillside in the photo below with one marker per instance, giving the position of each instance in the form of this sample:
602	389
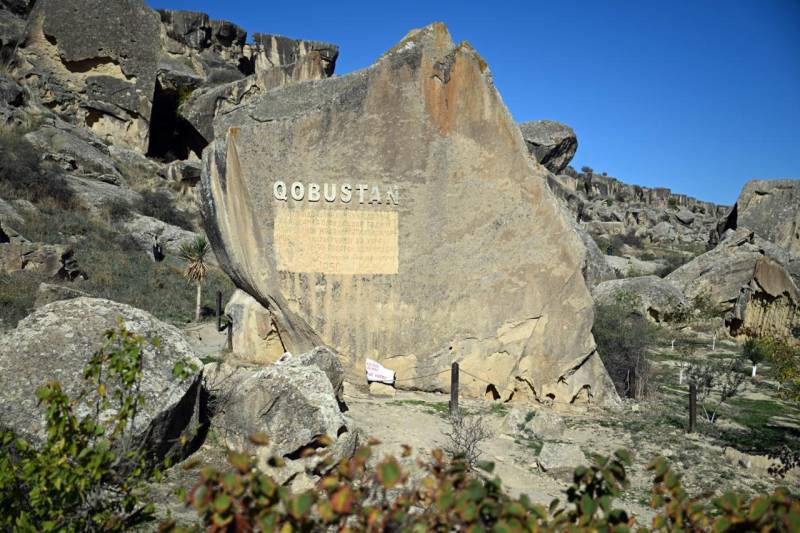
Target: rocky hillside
102	133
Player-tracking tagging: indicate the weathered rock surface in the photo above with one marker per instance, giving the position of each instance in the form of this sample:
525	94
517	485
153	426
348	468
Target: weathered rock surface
751	278
657	299
254	337
276	61
52	260
560	459
294	405
551	143
75	155
57	340
101	76
457	251
158	238
623	266
770	209
547	424
383	390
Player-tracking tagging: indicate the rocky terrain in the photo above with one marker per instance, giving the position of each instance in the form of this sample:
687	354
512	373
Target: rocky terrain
351	220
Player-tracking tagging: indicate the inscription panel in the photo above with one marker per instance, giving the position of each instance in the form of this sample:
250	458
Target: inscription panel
336	241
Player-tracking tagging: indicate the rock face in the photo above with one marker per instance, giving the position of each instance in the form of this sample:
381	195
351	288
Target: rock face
656	298
770	209
394	214
752	279
57	340
551	143
101	76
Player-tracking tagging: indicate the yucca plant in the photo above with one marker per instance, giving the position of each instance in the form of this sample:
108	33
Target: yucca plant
195	252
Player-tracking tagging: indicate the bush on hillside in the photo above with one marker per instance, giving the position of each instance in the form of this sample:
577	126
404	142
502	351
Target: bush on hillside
23	176
622	335
158	204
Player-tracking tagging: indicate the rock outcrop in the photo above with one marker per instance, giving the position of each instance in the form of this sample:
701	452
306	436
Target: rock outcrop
551	143
654	297
770	209
751	279
56	341
393	213
101	76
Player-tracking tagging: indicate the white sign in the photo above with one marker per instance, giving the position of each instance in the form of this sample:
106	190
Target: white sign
376	372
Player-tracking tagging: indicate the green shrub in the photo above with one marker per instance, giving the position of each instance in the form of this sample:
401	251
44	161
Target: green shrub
158	204
353	497
622	335
86	475
23	176
784	355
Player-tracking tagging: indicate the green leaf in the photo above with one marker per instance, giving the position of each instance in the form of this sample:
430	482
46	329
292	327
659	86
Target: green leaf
389	474
300	505
588	505
722	524
758	508
222	503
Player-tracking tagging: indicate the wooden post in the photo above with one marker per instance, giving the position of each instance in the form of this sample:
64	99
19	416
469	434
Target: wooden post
219	310
454	389
692	407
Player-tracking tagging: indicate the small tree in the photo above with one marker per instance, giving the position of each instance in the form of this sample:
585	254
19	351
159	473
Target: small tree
195	252
465	436
755	351
722	379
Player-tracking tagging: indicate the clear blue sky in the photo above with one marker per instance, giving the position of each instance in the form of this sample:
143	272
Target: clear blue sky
699	96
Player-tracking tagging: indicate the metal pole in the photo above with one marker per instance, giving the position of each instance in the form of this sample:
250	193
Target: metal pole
454	389
219	310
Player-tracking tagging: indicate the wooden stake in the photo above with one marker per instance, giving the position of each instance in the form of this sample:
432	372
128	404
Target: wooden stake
454	389
692	407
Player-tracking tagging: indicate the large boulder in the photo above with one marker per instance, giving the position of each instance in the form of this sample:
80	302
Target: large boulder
769	305
654	297
94	62
552	143
56	341
393	213
295	405
770	209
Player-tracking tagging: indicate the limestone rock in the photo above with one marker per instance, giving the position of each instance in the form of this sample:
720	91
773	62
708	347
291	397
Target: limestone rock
684	216
158	238
547	424
517	421
52	260
326	360
444	215
560	459
656	298
75	155
770	209
751	279
94	63
293	405
769	306
253	338
381	390
631	266
57	340
94	194
551	143
50	292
